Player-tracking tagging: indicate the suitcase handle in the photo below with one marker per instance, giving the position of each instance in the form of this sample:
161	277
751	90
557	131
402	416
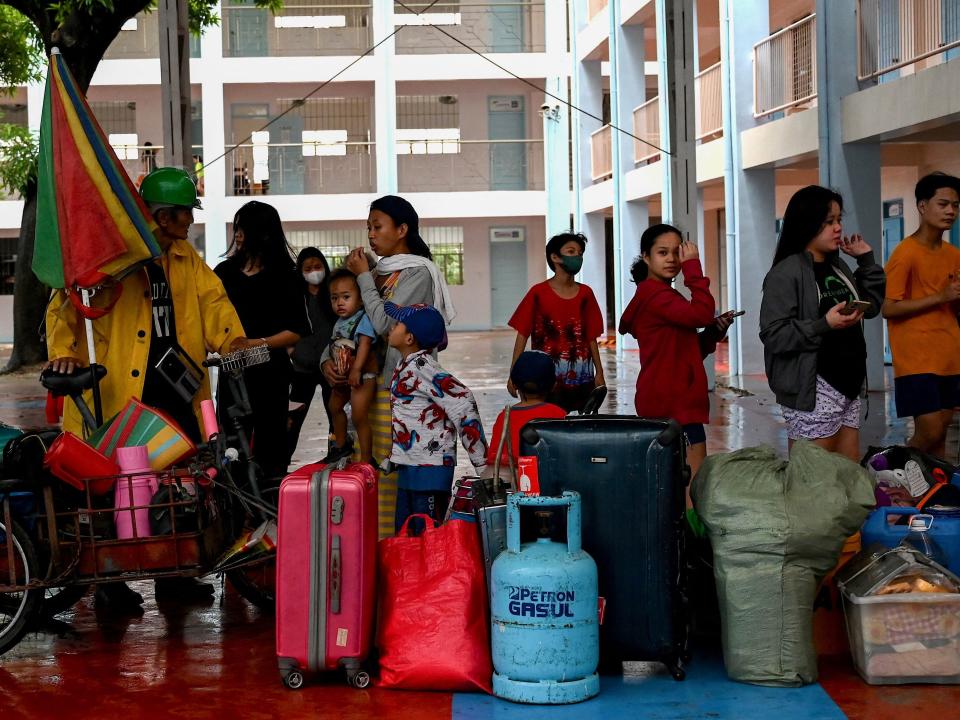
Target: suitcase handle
336	573
569	499
504	439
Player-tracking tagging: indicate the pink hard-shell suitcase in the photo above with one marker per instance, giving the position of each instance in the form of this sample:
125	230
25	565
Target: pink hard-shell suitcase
326	571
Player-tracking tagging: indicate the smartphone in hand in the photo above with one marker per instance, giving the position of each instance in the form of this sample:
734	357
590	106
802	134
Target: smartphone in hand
853	306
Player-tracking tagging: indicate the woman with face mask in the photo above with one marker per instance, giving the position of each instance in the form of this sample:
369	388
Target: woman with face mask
312	266
561	317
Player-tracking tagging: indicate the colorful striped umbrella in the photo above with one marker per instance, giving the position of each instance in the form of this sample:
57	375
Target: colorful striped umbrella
91	223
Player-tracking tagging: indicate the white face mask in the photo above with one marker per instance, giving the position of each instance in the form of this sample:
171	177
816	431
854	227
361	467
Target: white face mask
315	277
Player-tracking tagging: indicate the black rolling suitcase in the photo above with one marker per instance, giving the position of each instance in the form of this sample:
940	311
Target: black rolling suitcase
631	473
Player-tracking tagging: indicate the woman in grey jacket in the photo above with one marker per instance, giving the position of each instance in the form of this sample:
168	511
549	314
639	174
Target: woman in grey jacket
810	322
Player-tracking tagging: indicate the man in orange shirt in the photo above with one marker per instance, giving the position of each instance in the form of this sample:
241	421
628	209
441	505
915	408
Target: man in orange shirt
921	305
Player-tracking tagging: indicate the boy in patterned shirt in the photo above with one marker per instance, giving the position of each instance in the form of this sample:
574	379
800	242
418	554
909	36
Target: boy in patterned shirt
430	408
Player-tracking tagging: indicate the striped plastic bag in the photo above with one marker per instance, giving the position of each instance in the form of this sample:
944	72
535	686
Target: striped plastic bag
139	424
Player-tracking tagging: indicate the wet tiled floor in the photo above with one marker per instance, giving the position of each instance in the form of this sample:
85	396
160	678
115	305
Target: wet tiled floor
218	661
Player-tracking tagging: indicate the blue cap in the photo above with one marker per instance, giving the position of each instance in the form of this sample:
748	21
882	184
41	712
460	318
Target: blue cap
534	372
424	322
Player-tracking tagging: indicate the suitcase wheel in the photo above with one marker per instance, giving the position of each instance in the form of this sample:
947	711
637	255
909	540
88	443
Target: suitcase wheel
293	680
359	679
676	670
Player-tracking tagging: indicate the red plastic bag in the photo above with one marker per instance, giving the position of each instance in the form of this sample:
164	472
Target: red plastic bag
434	631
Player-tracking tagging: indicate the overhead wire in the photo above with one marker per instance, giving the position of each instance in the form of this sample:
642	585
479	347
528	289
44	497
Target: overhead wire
535	86
296	104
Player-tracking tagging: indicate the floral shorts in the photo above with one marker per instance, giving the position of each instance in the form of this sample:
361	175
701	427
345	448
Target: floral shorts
833	410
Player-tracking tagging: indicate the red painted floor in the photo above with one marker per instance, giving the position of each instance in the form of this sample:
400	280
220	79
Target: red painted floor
179	662
860	701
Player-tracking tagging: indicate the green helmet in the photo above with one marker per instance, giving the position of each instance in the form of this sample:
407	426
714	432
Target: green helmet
169	187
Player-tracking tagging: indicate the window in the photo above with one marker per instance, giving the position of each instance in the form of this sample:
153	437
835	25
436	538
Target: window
335	244
13	114
446	244
116	116
427	111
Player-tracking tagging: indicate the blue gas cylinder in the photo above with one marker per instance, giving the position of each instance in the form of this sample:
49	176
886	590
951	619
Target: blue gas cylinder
545	634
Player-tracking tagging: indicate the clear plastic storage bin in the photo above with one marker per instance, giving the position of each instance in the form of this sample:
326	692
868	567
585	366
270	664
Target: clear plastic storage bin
905	638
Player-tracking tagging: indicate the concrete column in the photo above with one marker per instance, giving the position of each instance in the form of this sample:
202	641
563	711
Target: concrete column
675	56
708	362
634	219
556	123
175	82
385	98
595	260
214	139
35	100
749	195
851	169
590	97
628	90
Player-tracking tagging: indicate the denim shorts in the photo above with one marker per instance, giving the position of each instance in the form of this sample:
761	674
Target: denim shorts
832	411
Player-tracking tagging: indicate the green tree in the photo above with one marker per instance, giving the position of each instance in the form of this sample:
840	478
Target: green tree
82	30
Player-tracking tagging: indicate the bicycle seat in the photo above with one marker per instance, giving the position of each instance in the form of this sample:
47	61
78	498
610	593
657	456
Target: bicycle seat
81	379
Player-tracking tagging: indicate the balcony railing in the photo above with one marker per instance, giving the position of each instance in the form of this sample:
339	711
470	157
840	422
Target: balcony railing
594	7
139	160
284	169
601	153
297	30
512	26
144	41
646	125
709	103
894	33
785	68
477	165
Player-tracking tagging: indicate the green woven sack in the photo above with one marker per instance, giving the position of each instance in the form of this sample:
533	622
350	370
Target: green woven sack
777	528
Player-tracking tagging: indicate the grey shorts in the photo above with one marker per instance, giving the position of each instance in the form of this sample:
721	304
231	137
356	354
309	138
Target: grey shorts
832	411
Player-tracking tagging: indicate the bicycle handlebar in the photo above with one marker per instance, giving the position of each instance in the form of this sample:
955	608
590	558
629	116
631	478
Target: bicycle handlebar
239	359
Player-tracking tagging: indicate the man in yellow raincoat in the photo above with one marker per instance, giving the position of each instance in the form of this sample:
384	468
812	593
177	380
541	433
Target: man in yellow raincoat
174	303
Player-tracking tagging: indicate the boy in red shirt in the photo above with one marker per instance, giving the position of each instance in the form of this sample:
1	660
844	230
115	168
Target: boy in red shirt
533	375
561	317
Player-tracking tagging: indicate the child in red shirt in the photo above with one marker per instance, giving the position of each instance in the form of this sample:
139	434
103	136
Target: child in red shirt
533	375
672	382
561	317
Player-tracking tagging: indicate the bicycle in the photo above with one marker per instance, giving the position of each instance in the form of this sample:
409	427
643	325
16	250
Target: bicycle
58	540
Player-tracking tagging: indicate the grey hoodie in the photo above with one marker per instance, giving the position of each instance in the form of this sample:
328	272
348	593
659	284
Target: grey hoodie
791	328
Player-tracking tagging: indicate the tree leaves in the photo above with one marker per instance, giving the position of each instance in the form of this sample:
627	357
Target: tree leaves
21	51
18	157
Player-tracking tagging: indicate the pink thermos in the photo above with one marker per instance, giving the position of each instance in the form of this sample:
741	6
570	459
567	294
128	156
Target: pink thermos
134	489
209	413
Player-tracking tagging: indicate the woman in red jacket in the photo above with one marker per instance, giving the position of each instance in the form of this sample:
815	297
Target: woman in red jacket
672	382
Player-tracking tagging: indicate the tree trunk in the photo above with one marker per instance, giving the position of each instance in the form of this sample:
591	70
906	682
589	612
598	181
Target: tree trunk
29	294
